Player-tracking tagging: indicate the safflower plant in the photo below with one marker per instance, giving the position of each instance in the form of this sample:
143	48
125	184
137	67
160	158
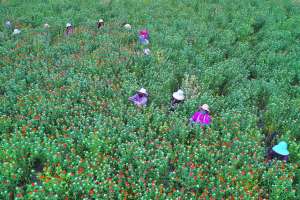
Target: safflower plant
69	132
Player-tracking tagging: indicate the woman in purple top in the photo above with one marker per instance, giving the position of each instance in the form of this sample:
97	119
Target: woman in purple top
140	98
279	152
202	116
144	37
69	29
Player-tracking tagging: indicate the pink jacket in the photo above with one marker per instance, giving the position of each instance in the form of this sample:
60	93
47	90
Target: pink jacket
144	34
202	118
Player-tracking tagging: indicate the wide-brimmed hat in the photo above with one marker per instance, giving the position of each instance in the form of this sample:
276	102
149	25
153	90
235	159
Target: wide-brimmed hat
68	25
127	26
281	148
179	95
143	91
147	51
8	23
205	107
16	31
101	21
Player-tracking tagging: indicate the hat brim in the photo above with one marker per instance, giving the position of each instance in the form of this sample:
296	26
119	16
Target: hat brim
206	109
178	97
278	149
142	92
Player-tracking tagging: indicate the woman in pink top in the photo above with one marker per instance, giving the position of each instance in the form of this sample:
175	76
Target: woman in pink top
202	116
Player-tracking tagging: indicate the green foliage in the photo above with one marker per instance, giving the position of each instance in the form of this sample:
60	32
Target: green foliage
67	130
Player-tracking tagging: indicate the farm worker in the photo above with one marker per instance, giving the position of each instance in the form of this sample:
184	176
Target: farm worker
140	98
16	31
147	51
69	29
8	25
202	116
144	37
127	26
46	26
100	23
279	152
177	98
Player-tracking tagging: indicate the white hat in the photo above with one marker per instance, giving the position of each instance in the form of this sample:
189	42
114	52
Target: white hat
146	51
205	107
46	25
16	31
127	26
8	23
179	95
68	25
281	148
100	21
143	90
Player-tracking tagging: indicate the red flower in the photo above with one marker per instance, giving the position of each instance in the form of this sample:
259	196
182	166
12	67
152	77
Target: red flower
80	170
243	172
32	184
35	190
127	184
109	179
192	166
92	192
153	183
19	195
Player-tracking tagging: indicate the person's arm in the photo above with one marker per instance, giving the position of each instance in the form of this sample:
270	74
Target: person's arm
208	120
132	98
270	154
285	158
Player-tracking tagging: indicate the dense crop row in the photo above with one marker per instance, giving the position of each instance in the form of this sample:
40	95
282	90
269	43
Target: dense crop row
68	131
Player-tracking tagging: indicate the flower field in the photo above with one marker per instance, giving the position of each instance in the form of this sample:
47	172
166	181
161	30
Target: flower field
67	130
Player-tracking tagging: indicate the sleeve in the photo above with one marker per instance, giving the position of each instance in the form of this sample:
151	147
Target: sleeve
194	117
132	98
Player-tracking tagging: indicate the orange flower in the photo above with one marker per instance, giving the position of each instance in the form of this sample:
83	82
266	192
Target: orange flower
80	170
91	192
19	195
37	117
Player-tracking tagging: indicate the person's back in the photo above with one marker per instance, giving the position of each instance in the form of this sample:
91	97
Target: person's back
140	98
202	116
279	152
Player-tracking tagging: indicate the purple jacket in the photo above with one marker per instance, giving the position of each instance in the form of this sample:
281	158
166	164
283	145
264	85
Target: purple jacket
202	118
272	154
139	101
